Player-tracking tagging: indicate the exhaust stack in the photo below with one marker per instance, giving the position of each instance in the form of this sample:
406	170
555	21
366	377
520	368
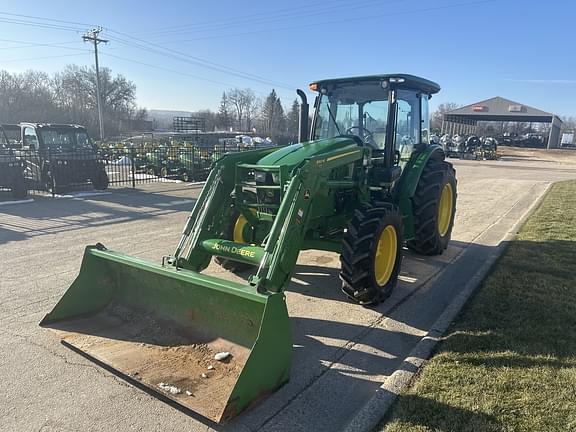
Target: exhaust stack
303	133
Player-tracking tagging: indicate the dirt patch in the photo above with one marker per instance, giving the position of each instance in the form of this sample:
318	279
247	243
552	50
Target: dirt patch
161	357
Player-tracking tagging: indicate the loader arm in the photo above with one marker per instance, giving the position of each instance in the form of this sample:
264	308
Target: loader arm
216	191
276	257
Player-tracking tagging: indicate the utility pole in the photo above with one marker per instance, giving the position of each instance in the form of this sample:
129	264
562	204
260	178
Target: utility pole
92	35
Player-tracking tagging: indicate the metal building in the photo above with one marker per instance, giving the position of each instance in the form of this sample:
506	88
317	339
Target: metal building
465	120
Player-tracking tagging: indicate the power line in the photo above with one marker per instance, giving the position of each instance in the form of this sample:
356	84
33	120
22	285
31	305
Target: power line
264	18
219	20
147	47
178	72
42	58
337	21
39	24
47	19
187	58
27	44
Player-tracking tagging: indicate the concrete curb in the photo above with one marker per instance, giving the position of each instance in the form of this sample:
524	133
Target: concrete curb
370	415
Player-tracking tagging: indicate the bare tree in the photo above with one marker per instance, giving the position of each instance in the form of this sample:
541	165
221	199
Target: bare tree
25	97
252	104
245	106
438	115
75	92
236	99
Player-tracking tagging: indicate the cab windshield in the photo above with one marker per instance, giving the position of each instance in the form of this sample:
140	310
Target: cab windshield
359	109
66	139
12	136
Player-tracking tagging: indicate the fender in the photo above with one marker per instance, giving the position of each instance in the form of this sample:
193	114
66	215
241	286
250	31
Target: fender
409	181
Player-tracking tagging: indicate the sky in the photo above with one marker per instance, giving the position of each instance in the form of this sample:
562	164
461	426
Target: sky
182	55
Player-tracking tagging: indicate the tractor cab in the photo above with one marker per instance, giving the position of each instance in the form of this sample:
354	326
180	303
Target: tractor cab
387	113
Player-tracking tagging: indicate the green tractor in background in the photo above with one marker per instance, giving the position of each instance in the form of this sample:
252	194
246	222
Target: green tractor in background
364	183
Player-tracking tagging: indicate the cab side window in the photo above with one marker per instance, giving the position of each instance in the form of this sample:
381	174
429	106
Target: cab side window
407	123
30	138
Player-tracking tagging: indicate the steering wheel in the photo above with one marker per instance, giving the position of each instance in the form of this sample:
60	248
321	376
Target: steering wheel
368	136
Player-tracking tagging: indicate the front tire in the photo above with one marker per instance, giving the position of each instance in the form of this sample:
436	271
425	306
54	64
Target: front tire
434	207
53	185
372	253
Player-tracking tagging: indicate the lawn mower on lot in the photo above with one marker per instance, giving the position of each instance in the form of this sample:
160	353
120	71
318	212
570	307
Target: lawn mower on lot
364	183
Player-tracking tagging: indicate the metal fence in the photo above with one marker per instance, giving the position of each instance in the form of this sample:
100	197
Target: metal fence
57	171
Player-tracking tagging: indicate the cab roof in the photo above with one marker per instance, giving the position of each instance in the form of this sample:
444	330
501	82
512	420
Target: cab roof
399	80
9	126
53	125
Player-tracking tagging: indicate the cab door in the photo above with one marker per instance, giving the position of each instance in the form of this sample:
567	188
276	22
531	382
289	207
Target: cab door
31	150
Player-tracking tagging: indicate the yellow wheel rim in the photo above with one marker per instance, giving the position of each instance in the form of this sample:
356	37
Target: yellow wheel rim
445	208
239	226
385	258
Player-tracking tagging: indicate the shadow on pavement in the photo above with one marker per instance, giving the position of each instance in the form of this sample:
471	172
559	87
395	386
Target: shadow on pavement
51	216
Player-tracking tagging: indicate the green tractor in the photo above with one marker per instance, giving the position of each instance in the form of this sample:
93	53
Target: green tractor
364	183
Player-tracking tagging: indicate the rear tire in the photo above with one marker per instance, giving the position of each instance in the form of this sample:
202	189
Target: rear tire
372	253
101	181
434	206
19	189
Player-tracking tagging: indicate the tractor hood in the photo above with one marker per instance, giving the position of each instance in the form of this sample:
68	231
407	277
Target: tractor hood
294	154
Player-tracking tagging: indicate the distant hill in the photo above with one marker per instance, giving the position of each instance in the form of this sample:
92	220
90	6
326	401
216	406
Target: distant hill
163	118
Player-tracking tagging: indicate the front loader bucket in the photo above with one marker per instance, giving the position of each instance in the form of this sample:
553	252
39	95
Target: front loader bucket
161	328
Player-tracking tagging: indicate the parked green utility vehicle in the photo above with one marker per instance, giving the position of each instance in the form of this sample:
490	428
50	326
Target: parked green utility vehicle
59	155
366	183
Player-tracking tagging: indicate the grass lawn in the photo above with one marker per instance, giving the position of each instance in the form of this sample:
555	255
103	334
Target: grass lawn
509	361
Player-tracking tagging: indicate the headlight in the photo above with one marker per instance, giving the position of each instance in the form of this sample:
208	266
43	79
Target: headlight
59	162
276	178
260	177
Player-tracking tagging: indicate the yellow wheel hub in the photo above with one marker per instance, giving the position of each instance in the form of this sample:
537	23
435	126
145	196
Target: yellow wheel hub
385	258
445	209
239	226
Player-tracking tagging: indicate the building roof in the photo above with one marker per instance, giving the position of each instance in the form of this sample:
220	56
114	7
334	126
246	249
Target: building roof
409	81
499	109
